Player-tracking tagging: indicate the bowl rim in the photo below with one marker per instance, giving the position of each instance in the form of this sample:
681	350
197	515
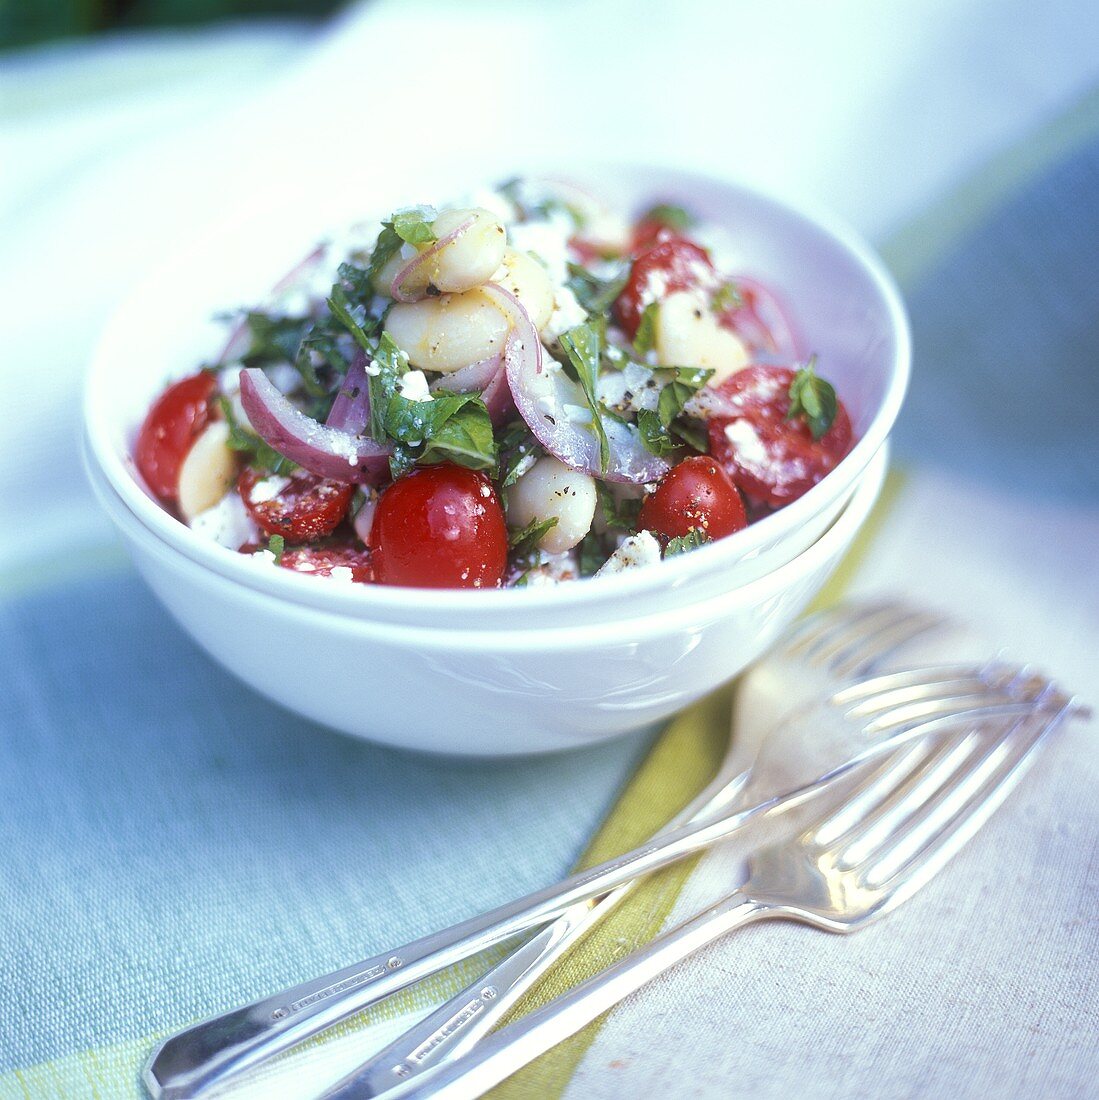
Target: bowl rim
358	600
448	639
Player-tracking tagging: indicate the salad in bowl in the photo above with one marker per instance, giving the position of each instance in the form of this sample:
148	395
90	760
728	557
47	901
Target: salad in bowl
522	389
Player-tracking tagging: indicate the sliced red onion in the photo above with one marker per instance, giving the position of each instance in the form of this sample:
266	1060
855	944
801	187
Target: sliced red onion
351	409
763	322
544	394
322	450
488	377
471	379
404	288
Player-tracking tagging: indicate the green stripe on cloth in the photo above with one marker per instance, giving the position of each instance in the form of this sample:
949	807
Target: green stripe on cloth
680	765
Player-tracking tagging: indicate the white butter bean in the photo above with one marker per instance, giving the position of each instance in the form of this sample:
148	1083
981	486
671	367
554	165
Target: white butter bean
449	332
522	275
688	335
207	472
552	490
472	257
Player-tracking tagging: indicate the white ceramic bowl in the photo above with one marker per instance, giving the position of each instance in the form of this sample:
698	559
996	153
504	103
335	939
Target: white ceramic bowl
483	692
845	303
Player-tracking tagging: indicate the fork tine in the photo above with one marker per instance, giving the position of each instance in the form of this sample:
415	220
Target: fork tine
961	676
872	649
938	830
823	625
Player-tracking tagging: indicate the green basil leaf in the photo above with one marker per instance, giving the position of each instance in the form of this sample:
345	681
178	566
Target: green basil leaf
645	338
814	399
681	544
465	437
277	545
654	433
583	346
595	294
674	217
414	225
617	513
525	540
725	298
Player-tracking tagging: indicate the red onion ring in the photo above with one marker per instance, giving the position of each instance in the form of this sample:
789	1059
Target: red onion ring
471	379
398	287
488	377
320	449
762	322
541	394
351	409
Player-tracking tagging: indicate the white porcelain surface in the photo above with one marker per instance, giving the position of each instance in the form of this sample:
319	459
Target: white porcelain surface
847	307
484	692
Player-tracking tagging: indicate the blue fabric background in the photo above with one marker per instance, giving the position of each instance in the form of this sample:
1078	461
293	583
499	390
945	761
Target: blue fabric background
171	844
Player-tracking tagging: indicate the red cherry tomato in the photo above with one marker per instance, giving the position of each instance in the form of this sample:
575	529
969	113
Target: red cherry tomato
300	507
774	460
672	265
440	527
694	495
319	561
171	427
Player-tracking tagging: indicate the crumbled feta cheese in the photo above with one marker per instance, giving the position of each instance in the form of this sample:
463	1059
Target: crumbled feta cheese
413	386
226	523
567	313
551	569
745	441
268	489
631	389
342	573
523	465
636	551
578	414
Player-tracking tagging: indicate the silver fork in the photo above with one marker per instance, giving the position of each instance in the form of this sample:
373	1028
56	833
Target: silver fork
840	642
868	852
210	1053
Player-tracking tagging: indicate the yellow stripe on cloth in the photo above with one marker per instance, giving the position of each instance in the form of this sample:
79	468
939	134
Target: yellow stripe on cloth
680	765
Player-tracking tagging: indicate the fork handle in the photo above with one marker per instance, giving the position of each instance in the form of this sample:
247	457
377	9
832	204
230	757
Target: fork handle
209	1053
500	1055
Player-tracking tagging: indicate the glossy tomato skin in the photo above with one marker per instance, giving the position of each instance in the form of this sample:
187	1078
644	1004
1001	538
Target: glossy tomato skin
300	507
171	427
440	527
696	494
671	265
774	460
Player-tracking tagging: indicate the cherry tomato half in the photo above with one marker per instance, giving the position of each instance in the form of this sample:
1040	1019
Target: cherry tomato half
171	427
300	507
319	561
671	265
694	495
440	527
774	460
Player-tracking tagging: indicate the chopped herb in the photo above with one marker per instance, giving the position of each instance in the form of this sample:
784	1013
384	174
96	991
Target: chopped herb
725	298
516	445
590	555
273	339
582	345
258	454
526	539
277	545
814	398
656	427
681	544
654	434
645	339
674	217
543	207
385	248
465	437
414	225
594	294
620	513
693	434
